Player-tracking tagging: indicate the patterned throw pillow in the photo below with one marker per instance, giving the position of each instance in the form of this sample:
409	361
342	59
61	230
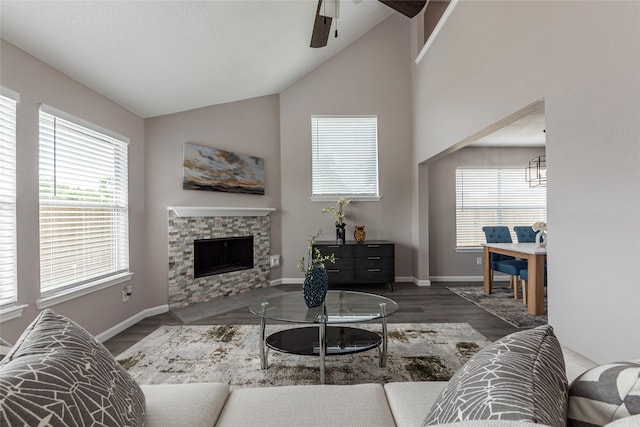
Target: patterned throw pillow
520	377
604	394
57	374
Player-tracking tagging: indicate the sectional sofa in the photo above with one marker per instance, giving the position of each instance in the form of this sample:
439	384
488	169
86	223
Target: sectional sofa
57	374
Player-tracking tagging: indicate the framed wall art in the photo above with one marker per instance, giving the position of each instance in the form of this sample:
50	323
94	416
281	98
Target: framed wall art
210	169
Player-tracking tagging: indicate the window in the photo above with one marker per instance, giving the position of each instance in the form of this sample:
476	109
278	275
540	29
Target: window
84	236
486	196
344	157
8	279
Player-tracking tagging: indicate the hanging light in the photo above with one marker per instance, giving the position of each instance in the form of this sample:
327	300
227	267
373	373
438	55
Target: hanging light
536	172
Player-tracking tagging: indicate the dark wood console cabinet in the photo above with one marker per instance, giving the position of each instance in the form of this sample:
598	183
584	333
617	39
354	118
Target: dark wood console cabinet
367	262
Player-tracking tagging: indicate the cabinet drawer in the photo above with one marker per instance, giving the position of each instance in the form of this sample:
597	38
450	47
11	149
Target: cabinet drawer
339	275
340	251
373	275
373	261
340	264
372	249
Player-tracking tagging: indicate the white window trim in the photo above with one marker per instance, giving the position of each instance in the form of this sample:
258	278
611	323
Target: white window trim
78	121
333	198
11	311
350	196
86	289
58	295
474	249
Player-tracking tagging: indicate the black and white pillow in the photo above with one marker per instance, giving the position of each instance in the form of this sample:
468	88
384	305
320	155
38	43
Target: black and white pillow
605	394
57	374
520	377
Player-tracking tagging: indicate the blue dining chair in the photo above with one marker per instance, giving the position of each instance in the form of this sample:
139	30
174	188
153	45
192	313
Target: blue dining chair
525	234
503	263
524	278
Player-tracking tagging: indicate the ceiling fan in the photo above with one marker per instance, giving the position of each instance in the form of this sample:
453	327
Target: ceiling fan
329	10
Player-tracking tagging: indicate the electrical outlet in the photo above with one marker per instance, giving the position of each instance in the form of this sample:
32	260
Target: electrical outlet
479	260
274	261
125	295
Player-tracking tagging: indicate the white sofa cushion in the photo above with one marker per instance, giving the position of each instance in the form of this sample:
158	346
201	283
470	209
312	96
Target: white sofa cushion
184	405
410	401
358	405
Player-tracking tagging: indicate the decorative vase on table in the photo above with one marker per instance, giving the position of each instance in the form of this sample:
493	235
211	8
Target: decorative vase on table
359	234
315	287
340	233
541	239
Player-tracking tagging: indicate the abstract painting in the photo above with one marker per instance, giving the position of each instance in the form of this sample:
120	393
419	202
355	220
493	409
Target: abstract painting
210	169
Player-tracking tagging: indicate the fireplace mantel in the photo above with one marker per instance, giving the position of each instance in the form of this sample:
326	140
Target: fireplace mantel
208	211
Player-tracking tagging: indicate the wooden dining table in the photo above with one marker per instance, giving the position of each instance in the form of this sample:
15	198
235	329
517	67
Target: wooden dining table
536	258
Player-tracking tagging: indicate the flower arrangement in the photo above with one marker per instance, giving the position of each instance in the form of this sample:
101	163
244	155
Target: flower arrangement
539	226
316	259
338	212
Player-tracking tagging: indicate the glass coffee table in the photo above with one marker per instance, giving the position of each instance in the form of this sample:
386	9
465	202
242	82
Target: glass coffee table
321	339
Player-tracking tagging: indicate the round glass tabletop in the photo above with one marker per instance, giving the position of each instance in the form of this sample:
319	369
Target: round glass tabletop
339	307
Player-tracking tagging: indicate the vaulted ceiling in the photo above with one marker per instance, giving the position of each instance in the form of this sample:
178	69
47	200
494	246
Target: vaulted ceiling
161	57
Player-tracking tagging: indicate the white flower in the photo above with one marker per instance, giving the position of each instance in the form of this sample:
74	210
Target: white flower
540	226
337	212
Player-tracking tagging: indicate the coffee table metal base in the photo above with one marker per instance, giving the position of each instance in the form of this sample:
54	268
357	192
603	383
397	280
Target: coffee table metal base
338	340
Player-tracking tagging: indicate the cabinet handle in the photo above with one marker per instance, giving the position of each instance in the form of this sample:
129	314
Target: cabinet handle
333	246
374	270
333	271
373	246
373	257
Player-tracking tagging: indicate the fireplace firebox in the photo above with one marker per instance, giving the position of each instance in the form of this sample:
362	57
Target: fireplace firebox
216	256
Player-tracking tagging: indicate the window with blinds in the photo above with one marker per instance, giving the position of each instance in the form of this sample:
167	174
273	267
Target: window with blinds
8	279
489	196
344	157
84	233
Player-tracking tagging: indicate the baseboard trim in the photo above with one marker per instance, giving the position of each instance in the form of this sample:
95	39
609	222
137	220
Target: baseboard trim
112	332
421	282
467	278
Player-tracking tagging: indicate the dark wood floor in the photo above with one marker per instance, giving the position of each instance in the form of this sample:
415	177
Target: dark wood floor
418	304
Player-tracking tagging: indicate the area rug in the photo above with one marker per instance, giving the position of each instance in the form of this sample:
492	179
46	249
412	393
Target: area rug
501	304
230	354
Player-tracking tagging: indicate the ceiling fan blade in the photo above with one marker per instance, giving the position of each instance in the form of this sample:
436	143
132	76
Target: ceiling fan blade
408	8
321	29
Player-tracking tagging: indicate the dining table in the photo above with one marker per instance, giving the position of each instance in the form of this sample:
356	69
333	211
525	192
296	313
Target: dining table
536	257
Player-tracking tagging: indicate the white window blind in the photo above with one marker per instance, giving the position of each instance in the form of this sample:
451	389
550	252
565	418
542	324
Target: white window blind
489	196
8	280
84	232
344	157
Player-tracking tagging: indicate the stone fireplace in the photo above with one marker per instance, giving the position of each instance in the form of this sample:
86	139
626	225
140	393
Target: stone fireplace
190	224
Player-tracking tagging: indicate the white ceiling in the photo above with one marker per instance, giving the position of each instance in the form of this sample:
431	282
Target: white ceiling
525	132
161	57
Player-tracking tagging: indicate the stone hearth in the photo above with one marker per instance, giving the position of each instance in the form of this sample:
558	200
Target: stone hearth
189	224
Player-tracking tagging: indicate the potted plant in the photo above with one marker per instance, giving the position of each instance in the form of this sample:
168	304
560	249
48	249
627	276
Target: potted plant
316	280
340	218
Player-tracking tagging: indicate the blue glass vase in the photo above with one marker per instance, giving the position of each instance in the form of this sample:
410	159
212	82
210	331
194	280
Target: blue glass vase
315	287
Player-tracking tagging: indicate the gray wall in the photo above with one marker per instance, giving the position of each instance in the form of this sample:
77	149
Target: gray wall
444	262
248	127
493	58
37	82
371	76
